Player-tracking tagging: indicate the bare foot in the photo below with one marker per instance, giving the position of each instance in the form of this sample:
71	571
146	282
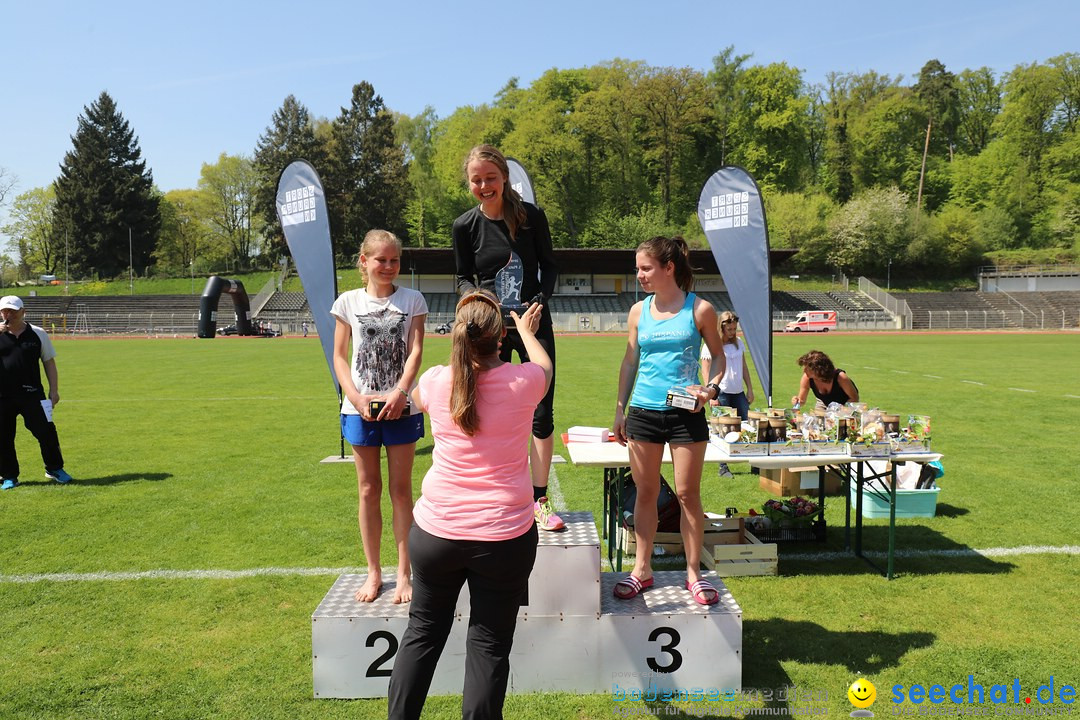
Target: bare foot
403	593
370	589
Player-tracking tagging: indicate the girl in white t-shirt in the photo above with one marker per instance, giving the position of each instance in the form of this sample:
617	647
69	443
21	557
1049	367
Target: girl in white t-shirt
384	324
736	389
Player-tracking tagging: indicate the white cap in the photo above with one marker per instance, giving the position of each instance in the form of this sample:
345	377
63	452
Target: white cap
11	302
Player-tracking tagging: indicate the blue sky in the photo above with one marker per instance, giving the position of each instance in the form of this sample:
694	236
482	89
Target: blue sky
196	79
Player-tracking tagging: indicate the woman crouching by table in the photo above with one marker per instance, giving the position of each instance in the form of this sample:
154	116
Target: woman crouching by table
665	334
474	520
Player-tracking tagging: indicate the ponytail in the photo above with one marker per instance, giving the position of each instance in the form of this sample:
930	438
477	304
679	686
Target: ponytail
476	334
671	250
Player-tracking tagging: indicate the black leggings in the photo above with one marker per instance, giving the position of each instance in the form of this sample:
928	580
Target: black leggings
543	417
498	577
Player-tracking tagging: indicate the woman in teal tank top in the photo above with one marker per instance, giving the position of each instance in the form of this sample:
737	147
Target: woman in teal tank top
666	331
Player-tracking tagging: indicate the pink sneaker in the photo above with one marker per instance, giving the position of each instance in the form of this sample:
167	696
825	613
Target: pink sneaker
546	519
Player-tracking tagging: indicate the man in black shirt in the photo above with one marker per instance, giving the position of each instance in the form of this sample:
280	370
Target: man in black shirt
24	349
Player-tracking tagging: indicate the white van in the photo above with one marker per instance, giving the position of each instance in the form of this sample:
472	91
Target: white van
813	321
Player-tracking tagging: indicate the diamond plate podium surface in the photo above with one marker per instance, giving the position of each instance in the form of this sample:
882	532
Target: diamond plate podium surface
660	638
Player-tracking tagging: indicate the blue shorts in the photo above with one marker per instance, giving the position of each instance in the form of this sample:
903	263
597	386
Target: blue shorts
375	433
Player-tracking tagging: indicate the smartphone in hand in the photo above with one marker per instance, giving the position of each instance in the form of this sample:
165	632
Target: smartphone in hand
375	407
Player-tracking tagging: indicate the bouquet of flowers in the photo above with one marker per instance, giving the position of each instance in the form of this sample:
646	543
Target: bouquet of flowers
796	511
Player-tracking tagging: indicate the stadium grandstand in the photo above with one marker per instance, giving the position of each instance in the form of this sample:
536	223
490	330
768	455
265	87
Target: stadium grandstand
596	291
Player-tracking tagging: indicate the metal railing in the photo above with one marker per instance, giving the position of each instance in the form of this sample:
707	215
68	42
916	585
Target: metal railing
1028	270
184	324
897	307
999	320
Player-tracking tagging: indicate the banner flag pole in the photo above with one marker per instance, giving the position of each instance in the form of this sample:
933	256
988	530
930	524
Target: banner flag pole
733	217
520	181
301	209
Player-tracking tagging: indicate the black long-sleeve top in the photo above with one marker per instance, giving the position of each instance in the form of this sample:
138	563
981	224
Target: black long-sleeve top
482	248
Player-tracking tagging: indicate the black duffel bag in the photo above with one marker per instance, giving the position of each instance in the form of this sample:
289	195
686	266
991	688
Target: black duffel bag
668	512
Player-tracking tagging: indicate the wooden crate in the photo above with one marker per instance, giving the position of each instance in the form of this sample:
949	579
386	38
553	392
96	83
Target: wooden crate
751	558
729	548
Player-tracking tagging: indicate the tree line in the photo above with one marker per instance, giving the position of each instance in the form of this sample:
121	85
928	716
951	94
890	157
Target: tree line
861	172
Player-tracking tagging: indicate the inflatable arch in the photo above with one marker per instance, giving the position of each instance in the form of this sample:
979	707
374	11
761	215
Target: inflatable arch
208	306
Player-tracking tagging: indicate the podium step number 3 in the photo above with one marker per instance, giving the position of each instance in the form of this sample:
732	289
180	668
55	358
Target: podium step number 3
574	636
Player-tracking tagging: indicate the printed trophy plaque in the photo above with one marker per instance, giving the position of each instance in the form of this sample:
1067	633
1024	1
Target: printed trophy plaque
508	288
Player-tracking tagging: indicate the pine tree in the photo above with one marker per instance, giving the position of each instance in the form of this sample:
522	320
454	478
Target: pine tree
367	182
290	136
105	197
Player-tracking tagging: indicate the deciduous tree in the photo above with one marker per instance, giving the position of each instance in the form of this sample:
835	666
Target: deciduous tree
31	232
228	191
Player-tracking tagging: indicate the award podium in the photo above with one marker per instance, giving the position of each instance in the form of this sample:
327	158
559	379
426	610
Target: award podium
573	636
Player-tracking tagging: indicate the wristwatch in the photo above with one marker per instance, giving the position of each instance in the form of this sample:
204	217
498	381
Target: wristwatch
714	386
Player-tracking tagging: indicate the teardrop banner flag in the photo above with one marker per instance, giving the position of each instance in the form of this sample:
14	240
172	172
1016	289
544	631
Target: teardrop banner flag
301	208
733	218
519	180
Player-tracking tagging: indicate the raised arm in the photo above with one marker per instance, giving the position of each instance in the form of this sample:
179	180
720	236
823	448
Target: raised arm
526	324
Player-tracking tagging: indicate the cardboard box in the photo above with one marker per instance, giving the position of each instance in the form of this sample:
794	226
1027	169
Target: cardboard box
740	449
581	433
873	450
791	447
826	447
899	447
788	482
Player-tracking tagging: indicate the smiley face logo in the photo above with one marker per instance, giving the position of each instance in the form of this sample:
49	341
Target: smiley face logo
862	693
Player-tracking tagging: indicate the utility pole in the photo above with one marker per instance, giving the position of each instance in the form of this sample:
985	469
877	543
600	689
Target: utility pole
131	266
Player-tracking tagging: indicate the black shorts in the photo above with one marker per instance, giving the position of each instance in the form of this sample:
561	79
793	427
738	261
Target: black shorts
666	426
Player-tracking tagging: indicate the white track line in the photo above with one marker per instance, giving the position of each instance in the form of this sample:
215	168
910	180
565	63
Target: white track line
1021	390
195	398
555	492
972	382
285	572
1074	397
953	553
936	377
176	574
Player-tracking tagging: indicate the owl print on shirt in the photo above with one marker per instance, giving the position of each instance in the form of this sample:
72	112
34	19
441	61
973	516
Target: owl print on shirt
380	351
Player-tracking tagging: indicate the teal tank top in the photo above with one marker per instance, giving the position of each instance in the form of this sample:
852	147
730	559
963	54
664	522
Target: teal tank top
668	354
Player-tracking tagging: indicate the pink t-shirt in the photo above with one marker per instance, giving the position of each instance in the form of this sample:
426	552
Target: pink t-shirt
478	488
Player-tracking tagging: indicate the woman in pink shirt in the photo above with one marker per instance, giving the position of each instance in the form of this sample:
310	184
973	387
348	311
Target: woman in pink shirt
474	521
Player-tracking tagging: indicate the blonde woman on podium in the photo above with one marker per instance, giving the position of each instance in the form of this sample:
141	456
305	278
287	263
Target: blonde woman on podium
474	521
665	334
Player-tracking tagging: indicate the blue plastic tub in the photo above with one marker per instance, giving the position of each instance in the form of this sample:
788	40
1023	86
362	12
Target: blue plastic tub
909	503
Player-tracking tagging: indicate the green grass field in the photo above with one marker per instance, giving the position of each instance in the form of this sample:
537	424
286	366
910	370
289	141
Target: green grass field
197	455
